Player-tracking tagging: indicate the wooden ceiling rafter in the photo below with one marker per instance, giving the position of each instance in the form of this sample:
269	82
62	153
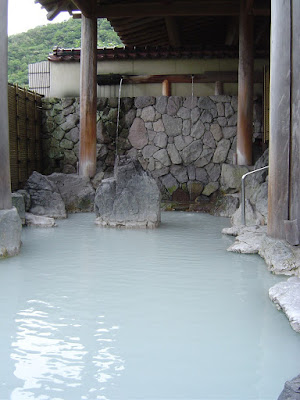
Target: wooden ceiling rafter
173	31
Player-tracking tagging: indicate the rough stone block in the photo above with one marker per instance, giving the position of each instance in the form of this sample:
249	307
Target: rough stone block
231	177
10	232
19	203
291	390
130	199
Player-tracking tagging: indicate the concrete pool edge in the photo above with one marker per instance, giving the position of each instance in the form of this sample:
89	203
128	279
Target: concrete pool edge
281	259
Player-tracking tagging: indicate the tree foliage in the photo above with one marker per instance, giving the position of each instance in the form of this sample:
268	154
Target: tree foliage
35	45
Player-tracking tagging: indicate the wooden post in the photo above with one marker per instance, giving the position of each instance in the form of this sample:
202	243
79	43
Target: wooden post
88	96
219	88
166	88
280	82
5	185
294	212
245	87
284	162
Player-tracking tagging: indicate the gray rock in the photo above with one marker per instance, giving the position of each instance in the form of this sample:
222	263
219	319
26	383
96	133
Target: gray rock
191	172
206	103
19	203
216	132
144	101
232	121
173	125
186	127
131	199
26	198
97	179
229	205
208	140
279	257
286	296
252	217
213	171
174	154
210	188
220	110
221	98
191	152
39	221
205	157
260	200
73	135
228	110
174	103
45	197
184	113
206	117
112	102
182	141
149	150
234	103
201	176
158	126
291	390
66	144
160	140
170	183
76	191
58	133
10	232
190	102
129	117
231	176
161	104
71	121
222	121
138	134
248	242
195	189
229	131
195	115
148	114
221	152
180	173
198	130
163	157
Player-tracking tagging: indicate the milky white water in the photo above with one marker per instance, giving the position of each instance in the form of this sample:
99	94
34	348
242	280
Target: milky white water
95	313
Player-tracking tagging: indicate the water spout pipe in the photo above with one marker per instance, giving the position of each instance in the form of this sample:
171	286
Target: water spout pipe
243	191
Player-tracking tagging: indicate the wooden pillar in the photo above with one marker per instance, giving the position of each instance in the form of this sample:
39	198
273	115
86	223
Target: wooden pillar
294	203
219	88
284	163
5	186
166	88
88	96
245	86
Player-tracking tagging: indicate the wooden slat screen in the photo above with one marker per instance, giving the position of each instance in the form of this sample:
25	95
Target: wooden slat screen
24	109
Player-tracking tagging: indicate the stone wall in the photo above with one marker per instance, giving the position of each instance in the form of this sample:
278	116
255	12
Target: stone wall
182	142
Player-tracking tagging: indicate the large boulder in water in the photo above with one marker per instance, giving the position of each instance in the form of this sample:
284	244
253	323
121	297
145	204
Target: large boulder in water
45	197
130	199
291	390
76	191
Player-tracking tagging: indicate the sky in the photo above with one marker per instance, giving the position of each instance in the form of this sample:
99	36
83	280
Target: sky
25	14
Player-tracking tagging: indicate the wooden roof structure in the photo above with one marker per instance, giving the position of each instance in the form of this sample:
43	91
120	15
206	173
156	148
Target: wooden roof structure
204	24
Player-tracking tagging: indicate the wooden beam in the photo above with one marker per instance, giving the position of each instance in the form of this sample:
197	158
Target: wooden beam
207	77
245	87
173	32
5	186
56	9
88	8
176	8
88	97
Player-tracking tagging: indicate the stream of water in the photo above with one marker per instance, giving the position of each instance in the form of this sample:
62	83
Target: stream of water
164	314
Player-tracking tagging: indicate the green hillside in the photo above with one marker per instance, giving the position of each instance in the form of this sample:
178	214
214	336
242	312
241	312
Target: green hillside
35	45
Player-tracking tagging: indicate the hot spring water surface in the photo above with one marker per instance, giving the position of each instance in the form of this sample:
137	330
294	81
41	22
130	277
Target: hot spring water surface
93	313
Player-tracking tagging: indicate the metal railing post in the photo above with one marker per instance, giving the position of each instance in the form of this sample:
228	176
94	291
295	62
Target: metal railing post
243	191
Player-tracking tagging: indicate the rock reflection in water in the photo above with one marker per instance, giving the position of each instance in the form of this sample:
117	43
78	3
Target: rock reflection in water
53	353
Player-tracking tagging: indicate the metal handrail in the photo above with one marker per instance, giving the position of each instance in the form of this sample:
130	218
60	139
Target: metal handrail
243	191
